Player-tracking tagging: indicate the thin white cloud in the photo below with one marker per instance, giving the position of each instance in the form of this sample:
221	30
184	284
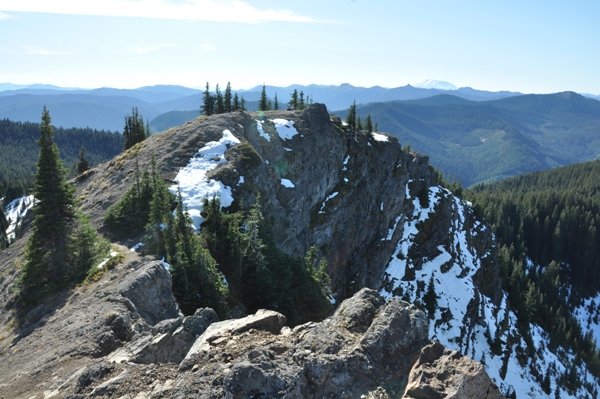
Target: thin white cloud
39	51
199	10
6	16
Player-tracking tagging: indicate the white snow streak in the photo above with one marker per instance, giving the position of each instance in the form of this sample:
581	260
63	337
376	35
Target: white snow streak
192	180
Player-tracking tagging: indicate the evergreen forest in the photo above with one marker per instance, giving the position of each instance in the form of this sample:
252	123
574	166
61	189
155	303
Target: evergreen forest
19	152
546	224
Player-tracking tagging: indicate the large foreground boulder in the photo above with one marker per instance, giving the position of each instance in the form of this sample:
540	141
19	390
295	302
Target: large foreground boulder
441	373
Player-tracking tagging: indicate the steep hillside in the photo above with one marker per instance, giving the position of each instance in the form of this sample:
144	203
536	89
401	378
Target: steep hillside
487	141
377	215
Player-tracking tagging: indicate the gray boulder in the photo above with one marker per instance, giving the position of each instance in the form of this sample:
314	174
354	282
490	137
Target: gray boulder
443	373
150	292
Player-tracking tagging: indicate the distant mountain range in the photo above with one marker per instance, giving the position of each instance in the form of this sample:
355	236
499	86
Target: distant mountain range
491	140
105	108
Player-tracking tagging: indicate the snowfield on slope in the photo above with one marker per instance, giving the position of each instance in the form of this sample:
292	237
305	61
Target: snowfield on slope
451	273
15	212
193	183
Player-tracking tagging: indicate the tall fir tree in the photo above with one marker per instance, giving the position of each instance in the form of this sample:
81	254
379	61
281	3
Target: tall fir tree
293	103
208	102
134	130
219	103
263	103
351	118
275	103
243	104
368	124
227	98
236	102
301	104
359	125
46	267
82	163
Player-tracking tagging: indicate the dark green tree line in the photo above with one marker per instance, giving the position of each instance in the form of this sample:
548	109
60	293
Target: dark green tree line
546	224
135	130
19	152
220	103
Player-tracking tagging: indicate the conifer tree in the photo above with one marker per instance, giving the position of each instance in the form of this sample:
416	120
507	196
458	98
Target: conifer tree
236	102
293	103
227	98
46	254
351	118
243	104
134	130
82	164
160	214
208	102
368	124
359	125
430	298
219	103
263	103
301	101
147	130
275	103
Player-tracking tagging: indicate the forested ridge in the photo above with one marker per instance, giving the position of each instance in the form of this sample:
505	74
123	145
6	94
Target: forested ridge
19	152
546	225
492	140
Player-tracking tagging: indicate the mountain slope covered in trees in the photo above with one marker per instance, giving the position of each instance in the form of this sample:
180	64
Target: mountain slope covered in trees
546	224
487	141
19	152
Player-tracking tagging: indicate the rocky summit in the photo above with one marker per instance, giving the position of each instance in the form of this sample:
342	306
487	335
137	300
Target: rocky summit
126	339
416	293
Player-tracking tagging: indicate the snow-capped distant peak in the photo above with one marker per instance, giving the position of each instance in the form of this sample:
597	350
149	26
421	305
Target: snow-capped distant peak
435	84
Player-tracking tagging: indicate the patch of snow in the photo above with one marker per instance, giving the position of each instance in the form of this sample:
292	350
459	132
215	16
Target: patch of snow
380	137
15	212
111	254
393	229
193	183
346	179
285	129
287	149
165	264
136	247
332	299
435	84
241	181
588	315
381	207
261	131
327	199
287	183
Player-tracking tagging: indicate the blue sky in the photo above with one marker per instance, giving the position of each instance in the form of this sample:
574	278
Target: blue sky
529	46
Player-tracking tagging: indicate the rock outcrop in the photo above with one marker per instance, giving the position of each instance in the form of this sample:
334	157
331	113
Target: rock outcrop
443	373
368	345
